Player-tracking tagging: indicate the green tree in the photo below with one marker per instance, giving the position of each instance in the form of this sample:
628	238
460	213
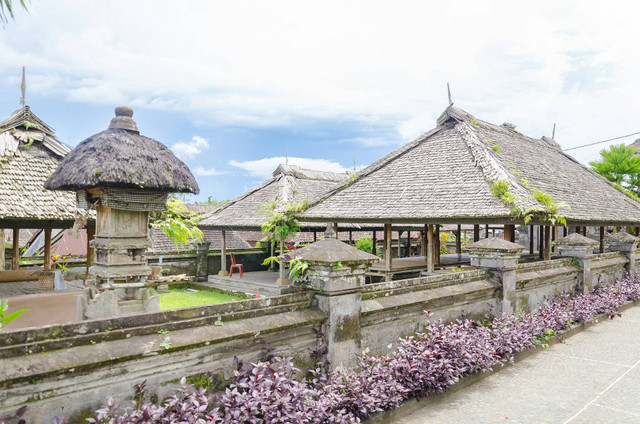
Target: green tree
281	223
212	201
6	10
621	165
178	223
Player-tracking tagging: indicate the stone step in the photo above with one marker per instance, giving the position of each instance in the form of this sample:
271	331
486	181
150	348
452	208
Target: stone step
249	288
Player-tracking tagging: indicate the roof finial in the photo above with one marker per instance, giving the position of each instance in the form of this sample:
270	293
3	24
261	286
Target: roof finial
449	93
23	89
553	133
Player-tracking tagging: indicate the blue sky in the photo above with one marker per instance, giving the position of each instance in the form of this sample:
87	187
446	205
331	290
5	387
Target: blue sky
232	87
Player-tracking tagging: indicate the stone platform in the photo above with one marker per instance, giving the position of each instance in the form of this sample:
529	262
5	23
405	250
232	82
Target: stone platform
262	282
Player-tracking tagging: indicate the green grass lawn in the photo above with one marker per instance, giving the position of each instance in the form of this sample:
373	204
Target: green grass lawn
180	298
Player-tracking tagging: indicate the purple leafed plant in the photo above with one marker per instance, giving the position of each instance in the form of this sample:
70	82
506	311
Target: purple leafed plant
273	391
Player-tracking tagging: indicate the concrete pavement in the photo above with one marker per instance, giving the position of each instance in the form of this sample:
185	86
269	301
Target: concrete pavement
594	377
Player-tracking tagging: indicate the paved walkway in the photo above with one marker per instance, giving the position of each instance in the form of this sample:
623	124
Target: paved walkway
594	377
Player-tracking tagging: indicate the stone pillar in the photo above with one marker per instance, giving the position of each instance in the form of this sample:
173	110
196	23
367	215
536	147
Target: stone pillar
581	248
202	261
501	257
627	245
337	271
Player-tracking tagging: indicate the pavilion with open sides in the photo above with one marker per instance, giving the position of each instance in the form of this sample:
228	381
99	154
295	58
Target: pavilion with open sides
446	176
29	153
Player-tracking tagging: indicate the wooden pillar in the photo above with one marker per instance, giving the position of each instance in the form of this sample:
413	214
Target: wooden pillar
437	241
531	233
373	244
423	243
47	249
388	251
584	230
547	243
335	230
486	231
601	239
541	241
407	251
554	236
564	231
15	253
350	237
476	233
91	233
223	256
509	232
459	240
315	236
431	249
2	251
399	244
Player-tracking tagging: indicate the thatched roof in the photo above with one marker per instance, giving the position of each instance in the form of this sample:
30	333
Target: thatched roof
160	243
288	184
445	176
121	157
29	154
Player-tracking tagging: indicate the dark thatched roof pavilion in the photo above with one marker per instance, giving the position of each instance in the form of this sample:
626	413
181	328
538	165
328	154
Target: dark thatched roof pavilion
120	157
446	176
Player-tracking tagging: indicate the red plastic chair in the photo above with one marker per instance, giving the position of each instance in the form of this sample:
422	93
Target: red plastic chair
234	265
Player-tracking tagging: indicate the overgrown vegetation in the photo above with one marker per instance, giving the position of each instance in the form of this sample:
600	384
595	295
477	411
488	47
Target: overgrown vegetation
423	364
178	223
549	213
366	245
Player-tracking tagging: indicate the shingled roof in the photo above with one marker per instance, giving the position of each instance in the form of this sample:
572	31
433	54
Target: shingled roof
29	153
160	243
288	184
445	176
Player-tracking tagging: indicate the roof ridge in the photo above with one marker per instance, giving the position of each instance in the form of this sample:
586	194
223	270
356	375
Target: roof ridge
240	197
492	167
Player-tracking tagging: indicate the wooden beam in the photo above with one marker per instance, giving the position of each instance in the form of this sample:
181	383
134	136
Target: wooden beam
2	252
486	231
431	249
315	236
350	237
373	243
15	253
399	244
601	239
547	243
47	249
584	230
531	233
459	240
388	251
541	241
335	229
476	233
437	242
91	234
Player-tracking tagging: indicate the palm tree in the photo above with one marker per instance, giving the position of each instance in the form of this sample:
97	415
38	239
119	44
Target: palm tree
6	10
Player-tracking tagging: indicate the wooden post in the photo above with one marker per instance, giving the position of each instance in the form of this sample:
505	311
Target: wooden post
541	241
47	249
564	231
437	243
399	244
408	251
335	230
315	236
431	249
2	251
423	243
373	244
584	230
388	251
476	233
15	253
509	232
486	231
547	243
459	241
223	256
350	237
554	236
601	239
91	232
531	233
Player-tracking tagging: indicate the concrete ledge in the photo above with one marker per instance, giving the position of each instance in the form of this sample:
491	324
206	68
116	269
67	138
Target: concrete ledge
412	405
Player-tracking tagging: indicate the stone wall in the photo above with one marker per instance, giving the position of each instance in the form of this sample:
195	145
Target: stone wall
68	370
537	280
607	268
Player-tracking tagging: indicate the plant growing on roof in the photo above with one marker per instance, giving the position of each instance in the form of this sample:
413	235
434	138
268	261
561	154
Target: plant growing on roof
178	223
549	213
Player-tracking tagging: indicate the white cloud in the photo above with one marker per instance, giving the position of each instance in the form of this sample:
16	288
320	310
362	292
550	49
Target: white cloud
264	168
367	61
190	149
204	172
